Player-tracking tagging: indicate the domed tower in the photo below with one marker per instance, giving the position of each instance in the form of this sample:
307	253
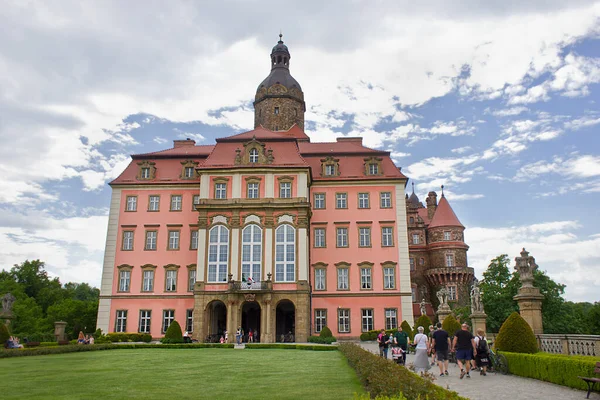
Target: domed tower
279	101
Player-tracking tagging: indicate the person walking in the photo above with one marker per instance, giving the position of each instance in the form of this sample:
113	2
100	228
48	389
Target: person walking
464	344
238	335
421	343
381	338
430	336
483	352
401	340
250	336
440	342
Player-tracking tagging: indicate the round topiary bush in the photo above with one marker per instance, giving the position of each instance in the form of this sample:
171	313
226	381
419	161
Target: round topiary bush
326	332
423	321
450	325
4	333
173	334
406	328
516	336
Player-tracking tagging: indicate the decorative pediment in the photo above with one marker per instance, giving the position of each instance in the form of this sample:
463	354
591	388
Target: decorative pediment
146	170
330	166
373	166
188	169
254	152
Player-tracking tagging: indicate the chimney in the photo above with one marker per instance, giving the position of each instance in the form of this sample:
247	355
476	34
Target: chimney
184	143
431	204
349	139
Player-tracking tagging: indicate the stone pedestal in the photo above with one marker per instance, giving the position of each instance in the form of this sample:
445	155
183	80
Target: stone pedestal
59	331
478	320
442	312
6	318
530	307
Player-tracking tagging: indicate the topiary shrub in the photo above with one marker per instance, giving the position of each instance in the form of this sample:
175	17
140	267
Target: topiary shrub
450	325
173	334
406	328
321	339
516	336
326	332
4	333
423	321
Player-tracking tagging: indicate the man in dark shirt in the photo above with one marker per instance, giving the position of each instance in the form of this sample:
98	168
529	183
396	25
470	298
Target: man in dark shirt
464	344
401	339
441	343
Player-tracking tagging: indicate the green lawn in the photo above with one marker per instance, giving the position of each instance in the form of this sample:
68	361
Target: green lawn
181	374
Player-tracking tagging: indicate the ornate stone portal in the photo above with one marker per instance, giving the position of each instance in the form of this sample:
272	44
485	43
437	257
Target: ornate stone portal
529	297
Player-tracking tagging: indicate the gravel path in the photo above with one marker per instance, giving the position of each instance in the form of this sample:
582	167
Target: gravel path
497	386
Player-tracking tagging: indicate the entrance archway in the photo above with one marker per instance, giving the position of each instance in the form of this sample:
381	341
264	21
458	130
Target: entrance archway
251	320
285	324
217	320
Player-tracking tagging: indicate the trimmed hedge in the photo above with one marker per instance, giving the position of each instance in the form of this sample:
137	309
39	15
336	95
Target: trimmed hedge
326	332
173	334
38	337
516	336
406	328
450	325
372	335
556	368
423	321
128	337
381	377
4	333
284	346
321	339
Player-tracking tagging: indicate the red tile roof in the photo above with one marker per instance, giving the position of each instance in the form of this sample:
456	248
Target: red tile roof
351	167
340	147
262	133
422	212
184	151
444	215
285	154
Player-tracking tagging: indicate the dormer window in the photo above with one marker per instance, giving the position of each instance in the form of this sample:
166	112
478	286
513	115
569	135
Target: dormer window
254	152
188	172
330	167
373	169
145	174
253	156
373	166
188	169
147	170
330	170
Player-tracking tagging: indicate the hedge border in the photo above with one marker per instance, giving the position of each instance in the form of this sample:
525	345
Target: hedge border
283	346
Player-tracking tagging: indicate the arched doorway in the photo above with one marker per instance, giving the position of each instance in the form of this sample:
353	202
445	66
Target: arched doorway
251	320
285	324
216	321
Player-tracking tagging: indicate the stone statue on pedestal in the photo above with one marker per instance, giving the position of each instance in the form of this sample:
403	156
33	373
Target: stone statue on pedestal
442	296
525	265
423	308
476	303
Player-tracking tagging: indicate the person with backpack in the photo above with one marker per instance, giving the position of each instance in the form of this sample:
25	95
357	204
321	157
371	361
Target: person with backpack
483	352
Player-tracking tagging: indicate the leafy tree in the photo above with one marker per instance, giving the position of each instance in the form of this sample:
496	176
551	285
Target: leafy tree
79	315
28	316
593	319
463	314
498	289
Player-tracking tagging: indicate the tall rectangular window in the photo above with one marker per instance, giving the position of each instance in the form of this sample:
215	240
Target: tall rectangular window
411	262
391	318
320	320
173	240
387	236
188	172
389	278
364	236
145	317
285	254
276	111
194	240
413	292
176	202
191	279
151	240
127	240
168	318
220	191
342	237
447	235
342	279
285	190
373	169
145	173
154	203
320	283
195	201
171	280
341	200
366	281
319	201
330	170
131	203
124	281
121	321
451	292
343	320
367	319
189	320
148	280
320	237
415	238
363	200
253	190
218	254
385	199
449	260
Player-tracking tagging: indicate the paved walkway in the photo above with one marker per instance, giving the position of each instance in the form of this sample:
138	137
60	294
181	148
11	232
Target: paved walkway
498	386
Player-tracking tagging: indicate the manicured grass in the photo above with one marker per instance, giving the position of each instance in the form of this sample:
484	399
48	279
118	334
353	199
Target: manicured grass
181	374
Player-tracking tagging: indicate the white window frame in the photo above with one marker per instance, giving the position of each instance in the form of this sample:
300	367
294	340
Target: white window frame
252	252
364	236
147	280
413	292
447	235
131	203
373	169
154	203
389	277
343	278
285	253
320	240
411	263
330	170
452	293
450	260
195	201
124	280
128	240
320	279
218	254
391	318
220	190
188	172
341	200
285	190
366	278
253	190
194	240
171	280
253	156
343	320
320	319
319	201
145	321
151	240
364	200
385	199
174	237
341	237
191	279
145	173
416	238
168	318
367	320
121	321
387	236
176	202
189	320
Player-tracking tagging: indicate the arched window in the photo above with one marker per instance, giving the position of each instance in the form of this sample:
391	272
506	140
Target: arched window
253	156
251	252
285	253
218	254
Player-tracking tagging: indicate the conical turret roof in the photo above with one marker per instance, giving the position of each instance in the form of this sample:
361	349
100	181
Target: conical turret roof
444	215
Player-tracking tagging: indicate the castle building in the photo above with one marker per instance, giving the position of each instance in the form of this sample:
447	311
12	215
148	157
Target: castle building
263	230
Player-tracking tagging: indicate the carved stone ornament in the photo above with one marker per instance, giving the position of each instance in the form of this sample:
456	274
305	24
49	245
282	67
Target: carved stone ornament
249	296
243	157
423	308
525	265
476	303
7	302
442	296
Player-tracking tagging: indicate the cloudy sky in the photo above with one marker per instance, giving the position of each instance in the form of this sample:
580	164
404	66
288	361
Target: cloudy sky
497	100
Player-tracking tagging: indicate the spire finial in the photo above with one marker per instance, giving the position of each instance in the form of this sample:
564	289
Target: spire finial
442	190
413	185
280	36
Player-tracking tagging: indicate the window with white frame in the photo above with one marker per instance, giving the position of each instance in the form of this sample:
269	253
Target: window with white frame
391	318
367	319
343	279
330	170
153	203
364	236
195	201
447	235
171	280
320	283
173	240
251	252
342	237
191	279
385	199
145	173
168	318
194	240
343	320
131	203
253	190
285	253
253	156
389	278
145	318
320	237
320	201
285	190
449	260
176	202
121	321
415	238
189	320
413	292
412	263
387	236
188	172
451	292
365	278
151	240
220	191
363	200
341	200
148	280
124	280
320	319
218	254
127	240
373	169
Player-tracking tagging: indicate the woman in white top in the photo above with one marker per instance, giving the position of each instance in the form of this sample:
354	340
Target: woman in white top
422	345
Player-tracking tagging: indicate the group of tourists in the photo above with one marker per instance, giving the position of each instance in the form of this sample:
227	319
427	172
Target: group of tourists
398	341
85	339
13	343
241	336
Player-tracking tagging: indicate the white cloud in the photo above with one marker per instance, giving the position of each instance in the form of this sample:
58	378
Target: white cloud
509	112
461	150
583	122
578	166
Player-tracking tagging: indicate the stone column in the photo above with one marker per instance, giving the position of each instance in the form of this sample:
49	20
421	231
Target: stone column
59	331
478	320
529	297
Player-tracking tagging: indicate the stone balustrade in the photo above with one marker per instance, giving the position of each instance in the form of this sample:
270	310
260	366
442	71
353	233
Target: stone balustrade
574	345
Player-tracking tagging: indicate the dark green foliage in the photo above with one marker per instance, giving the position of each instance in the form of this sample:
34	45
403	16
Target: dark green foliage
4	333
365	336
38	337
321	339
406	328
384	378
556	368
498	289
450	325
516	336
255	346
423	321
326	332
463	315
173	334
372	335
129	337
